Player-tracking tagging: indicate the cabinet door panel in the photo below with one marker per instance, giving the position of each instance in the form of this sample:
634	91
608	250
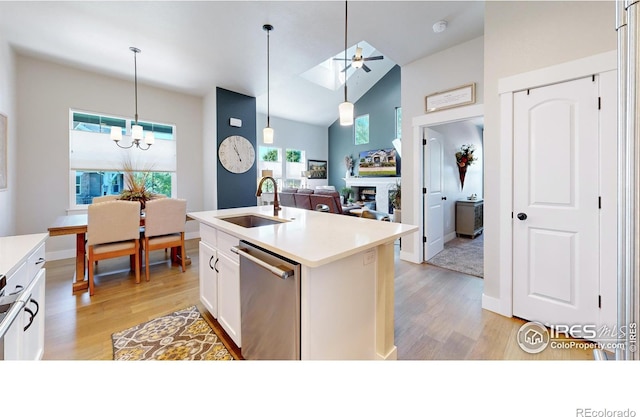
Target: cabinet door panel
33	337
229	297
208	278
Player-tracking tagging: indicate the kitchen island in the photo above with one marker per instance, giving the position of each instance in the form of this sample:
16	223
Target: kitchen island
346	279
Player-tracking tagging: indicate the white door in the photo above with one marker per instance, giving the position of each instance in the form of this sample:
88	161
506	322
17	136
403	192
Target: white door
555	219
433	198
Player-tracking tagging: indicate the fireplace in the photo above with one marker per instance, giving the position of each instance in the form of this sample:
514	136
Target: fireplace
373	189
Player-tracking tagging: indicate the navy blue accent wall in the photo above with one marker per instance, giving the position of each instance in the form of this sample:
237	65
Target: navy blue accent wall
235	190
380	104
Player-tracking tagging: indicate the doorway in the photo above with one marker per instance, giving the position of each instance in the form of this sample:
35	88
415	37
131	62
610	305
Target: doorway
447	193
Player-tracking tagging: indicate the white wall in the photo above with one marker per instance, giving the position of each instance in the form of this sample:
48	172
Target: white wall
521	37
296	135
456	135
210	152
47	91
7	107
456	66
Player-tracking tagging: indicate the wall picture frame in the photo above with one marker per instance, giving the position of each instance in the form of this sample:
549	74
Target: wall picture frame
3	151
455	97
317	169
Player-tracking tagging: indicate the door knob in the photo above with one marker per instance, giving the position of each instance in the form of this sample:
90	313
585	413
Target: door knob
522	216
443	198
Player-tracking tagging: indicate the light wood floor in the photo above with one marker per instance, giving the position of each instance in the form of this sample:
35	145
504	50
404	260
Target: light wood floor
438	312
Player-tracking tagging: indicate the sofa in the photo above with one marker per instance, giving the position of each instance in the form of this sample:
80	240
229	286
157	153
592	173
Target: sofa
321	200
308	199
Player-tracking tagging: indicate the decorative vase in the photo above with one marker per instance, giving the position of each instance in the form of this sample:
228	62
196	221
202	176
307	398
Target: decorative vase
462	170
397	216
348	174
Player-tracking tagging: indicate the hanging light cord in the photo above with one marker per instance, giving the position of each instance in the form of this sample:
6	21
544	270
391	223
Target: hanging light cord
135	79
268	78
345	49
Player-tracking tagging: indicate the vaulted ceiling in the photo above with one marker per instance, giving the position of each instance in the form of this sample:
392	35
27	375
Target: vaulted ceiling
193	47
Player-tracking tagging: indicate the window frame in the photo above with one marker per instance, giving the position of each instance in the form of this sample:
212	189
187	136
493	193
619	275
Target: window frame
102	130
355	130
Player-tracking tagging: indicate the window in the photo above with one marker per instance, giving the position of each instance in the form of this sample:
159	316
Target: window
270	159
295	168
362	130
95	162
398	122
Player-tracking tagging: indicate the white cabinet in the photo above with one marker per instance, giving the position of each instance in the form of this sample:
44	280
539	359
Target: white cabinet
220	279
25	338
13	339
229	297
208	278
33	321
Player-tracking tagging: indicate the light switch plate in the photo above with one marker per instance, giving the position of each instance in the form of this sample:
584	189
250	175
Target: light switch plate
235	122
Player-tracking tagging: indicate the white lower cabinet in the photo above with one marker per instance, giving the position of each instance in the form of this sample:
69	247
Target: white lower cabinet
229	297
33	321
208	278
25	338
220	279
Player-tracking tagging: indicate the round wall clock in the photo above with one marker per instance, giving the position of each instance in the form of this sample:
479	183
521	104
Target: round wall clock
236	154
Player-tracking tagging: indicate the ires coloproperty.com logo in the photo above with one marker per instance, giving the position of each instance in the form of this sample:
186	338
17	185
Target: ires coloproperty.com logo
534	337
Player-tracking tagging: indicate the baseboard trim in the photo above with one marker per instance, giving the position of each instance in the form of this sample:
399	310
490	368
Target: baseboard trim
449	237
392	355
494	304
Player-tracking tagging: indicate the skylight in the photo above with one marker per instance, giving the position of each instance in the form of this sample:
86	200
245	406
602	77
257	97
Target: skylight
328	74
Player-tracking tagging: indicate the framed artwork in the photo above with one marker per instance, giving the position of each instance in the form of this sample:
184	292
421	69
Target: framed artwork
442	100
317	170
3	151
378	163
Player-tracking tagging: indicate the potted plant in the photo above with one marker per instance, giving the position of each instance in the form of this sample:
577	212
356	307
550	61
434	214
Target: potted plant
135	184
345	192
395	197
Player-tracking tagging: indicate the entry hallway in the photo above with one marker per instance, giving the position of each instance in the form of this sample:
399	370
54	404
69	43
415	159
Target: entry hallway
438	312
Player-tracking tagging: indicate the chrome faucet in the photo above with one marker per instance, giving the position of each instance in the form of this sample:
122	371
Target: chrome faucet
276	205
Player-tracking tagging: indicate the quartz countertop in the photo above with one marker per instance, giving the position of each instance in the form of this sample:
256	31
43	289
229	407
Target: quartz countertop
310	237
15	249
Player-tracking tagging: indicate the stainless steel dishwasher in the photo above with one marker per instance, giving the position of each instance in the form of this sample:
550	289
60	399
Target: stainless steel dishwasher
269	304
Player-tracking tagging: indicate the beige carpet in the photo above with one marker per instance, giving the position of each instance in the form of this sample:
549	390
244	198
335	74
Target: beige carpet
182	335
463	255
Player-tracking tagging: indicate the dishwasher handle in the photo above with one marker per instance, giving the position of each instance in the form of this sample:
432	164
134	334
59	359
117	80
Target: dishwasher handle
275	270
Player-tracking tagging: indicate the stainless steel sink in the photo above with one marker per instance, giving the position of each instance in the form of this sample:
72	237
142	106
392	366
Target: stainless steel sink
251	220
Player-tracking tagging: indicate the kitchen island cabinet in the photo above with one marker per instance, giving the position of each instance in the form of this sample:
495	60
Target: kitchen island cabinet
346	279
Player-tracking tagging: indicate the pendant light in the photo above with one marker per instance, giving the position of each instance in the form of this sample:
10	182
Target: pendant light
267	132
346	108
137	133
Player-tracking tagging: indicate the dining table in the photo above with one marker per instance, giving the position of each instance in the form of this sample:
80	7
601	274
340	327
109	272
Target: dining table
76	224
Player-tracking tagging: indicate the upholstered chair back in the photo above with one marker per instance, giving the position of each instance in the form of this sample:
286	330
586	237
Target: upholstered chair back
165	216
113	221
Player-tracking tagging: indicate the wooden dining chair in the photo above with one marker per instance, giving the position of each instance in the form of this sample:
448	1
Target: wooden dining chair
164	228
113	230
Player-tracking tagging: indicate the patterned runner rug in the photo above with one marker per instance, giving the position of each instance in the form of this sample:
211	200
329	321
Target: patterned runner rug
182	335
463	255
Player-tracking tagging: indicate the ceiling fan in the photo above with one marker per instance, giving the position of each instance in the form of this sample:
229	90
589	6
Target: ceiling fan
358	61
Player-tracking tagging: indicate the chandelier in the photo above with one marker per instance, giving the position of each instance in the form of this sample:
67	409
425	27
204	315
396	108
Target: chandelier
137	133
